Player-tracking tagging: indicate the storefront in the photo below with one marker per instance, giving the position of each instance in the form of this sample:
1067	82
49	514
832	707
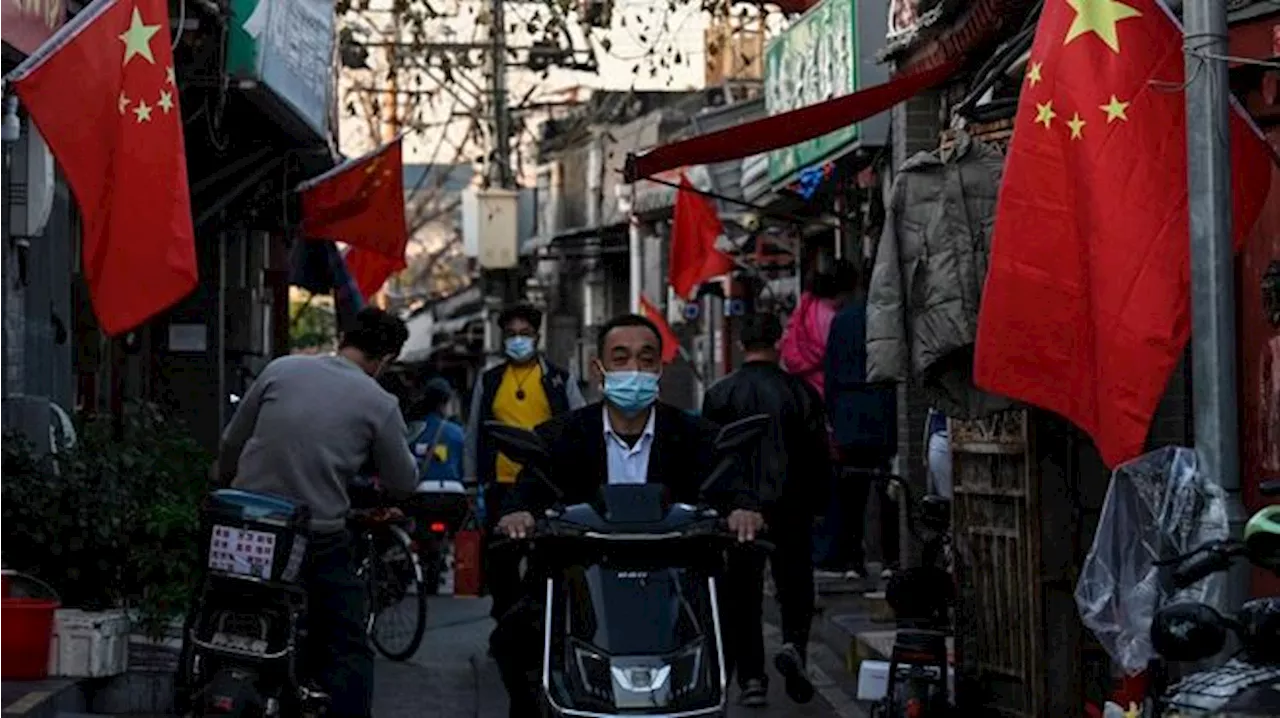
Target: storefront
40	236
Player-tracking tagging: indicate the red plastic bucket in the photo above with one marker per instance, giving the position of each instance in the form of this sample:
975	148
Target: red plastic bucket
24	642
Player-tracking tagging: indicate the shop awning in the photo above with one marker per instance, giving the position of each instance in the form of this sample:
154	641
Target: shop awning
788	128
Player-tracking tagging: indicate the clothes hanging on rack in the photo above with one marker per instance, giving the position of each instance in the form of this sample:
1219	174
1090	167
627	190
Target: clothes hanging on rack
930	265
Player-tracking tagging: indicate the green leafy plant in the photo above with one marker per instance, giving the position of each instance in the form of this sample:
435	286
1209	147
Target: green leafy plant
114	521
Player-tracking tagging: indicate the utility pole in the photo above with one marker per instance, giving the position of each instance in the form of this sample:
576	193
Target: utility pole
501	286
1213	329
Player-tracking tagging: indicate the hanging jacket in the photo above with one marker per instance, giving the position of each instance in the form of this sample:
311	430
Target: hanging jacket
930	265
804	345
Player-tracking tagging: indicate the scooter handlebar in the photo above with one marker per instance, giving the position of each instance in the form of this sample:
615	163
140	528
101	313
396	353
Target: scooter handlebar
545	528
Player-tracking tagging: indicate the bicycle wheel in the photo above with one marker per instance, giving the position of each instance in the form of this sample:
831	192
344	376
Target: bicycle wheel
398	598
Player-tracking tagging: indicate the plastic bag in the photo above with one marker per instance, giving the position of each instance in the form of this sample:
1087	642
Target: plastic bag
1158	506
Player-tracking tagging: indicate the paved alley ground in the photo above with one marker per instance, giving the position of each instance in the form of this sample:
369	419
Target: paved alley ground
452	677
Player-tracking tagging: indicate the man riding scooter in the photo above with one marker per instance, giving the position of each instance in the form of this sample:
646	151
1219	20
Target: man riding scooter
630	438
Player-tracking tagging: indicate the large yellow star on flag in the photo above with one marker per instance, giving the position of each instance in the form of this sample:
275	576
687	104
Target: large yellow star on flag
137	39
1100	18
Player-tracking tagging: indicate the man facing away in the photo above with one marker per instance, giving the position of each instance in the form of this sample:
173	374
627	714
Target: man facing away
307	426
630	438
439	445
523	391
791	465
864	430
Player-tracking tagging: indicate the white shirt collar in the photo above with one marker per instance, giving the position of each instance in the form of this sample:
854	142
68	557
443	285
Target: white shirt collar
608	424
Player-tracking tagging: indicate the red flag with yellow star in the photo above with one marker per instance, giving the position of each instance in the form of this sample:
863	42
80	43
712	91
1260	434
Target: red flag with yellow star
102	93
360	203
1086	308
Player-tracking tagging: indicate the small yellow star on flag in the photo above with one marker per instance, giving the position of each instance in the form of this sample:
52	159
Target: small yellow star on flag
165	102
1033	72
168	76
1115	110
122	103
137	39
1045	113
142	111
1077	126
1100	18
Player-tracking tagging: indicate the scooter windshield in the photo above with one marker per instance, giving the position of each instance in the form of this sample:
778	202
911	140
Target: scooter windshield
633	612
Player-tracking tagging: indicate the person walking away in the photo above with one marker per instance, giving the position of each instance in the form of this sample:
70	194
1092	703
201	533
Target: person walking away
789	468
804	344
523	391
864	433
441	442
629	438
306	427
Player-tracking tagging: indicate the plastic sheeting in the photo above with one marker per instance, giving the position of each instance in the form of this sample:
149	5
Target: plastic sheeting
1158	506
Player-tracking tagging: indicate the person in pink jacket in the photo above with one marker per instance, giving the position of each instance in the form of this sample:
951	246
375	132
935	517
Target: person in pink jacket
804	344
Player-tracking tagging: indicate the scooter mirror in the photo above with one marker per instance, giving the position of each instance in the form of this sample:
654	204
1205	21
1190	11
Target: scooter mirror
1262	538
1188	632
735	435
521	445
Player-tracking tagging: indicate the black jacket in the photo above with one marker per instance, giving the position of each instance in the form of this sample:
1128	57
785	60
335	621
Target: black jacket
681	458
793	458
864	416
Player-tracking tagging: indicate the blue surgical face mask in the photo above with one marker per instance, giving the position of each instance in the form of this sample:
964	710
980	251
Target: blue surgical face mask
631	392
520	348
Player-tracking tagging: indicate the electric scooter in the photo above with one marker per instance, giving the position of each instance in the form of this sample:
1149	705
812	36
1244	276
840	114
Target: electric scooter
631	622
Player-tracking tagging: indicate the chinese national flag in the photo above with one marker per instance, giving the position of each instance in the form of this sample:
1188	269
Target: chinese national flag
371	270
360	203
102	92
694	229
670	342
1086	309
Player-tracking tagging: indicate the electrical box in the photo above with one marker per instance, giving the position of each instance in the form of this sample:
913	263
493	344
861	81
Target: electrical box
490	226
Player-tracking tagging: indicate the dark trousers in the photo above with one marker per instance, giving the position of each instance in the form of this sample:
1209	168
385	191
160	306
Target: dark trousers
501	570
516	645
742	592
840	538
339	657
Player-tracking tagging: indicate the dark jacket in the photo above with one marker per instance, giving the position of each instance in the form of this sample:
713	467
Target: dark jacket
864	416
792	458
681	458
481	456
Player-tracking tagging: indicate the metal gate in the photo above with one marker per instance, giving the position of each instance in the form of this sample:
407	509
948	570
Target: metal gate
997	541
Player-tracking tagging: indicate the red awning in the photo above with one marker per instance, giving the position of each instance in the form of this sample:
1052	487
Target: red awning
788	128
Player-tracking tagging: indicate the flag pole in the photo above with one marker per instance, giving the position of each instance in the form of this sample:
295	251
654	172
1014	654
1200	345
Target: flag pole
1213	330
634	251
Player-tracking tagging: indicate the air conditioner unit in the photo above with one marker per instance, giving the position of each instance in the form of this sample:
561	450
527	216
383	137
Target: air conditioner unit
30	186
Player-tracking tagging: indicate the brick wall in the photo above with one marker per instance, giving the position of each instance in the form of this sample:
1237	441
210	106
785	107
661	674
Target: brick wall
916	125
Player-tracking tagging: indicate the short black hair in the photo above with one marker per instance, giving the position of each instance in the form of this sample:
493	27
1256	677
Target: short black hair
760	331
436	394
625	320
524	311
376	334
842	276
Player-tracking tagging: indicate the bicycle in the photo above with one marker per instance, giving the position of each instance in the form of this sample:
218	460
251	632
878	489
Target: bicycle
392	573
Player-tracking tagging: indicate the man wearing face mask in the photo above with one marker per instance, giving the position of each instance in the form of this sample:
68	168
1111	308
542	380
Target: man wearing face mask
523	391
630	438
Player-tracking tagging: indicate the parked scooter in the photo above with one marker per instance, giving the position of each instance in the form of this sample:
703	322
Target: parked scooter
1249	683
631	623
922	598
240	654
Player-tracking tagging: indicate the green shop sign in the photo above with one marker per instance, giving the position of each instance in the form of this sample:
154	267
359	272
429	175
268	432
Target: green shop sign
814	60
286	46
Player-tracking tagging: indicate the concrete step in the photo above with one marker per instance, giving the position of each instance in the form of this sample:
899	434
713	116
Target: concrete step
42	699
